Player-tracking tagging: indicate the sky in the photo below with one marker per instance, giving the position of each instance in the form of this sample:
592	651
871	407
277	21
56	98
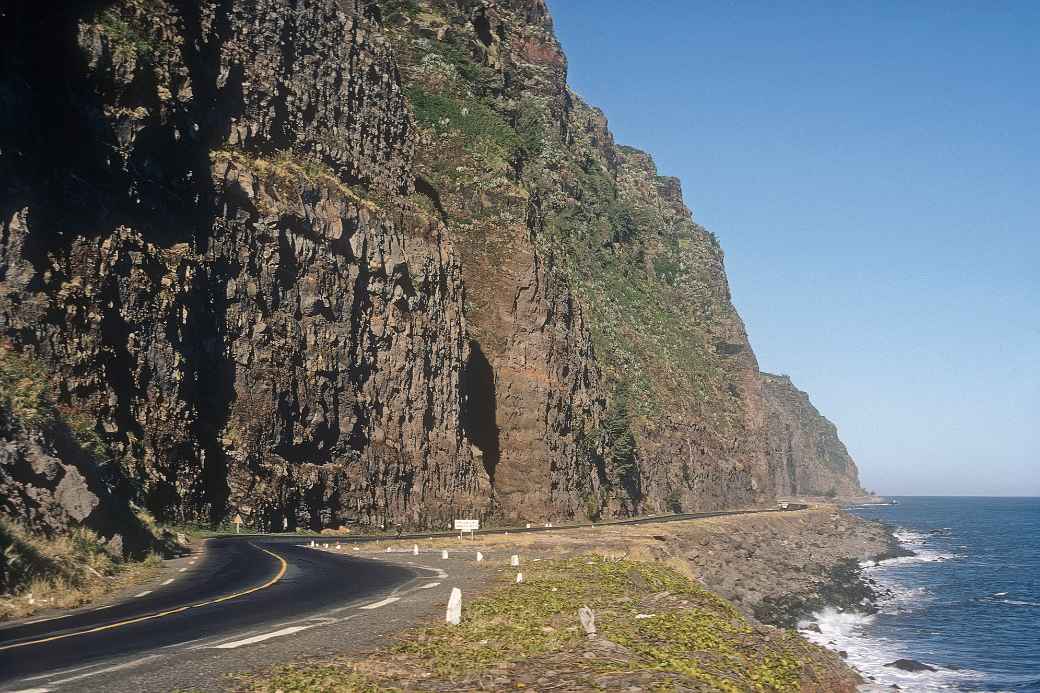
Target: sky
872	170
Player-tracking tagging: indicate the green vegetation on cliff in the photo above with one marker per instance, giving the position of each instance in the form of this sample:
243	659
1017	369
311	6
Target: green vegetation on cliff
30	393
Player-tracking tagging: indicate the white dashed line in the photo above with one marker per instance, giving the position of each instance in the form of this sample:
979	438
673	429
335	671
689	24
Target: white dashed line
168	582
429	585
143	594
260	638
33	690
376	605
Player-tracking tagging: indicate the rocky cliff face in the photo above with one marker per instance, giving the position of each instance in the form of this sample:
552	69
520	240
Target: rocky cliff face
316	261
206	236
806	456
50	478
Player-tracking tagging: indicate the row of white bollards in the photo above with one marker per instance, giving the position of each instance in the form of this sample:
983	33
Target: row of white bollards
514	560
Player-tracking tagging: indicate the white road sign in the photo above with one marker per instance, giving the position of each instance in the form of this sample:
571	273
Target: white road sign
467	525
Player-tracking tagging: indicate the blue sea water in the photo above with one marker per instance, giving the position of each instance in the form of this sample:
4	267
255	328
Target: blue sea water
968	602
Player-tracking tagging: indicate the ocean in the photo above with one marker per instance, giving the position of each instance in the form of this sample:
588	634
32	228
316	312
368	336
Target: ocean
967	604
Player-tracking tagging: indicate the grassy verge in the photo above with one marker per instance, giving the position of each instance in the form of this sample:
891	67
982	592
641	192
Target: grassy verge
64	571
657	630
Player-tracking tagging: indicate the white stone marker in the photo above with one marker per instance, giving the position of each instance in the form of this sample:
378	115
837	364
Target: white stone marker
519	578
480	557
514	561
454	614
588	621
444	554
388	549
415	549
528	525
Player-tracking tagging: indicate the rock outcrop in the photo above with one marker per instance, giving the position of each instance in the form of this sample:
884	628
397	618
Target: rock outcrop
49	481
324	261
806	455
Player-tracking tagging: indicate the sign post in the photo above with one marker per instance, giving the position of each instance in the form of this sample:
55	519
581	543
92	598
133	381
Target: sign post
238	523
470	526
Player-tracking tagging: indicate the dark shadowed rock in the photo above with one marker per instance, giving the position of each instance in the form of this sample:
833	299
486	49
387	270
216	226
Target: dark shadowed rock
911	665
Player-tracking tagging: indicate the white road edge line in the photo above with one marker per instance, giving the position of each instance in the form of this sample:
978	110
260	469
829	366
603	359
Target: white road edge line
107	670
260	638
168	582
63	672
143	594
32	690
385	602
429	585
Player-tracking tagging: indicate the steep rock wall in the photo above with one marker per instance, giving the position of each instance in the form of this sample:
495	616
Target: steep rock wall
806	455
321	261
210	248
623	376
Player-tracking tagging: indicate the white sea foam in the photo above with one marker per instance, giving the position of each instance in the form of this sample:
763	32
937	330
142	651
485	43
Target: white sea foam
920	556
850	632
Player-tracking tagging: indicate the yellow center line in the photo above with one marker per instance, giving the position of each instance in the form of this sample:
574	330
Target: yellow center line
148	617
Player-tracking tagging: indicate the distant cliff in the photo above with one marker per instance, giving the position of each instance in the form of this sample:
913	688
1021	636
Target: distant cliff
806	456
324	261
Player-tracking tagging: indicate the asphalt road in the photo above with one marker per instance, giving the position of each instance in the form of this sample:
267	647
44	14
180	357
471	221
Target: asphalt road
238	604
235	587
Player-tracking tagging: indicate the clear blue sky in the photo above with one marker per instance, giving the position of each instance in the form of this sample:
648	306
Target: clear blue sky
872	170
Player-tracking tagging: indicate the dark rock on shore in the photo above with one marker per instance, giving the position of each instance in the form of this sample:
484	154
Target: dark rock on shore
911	665
843	588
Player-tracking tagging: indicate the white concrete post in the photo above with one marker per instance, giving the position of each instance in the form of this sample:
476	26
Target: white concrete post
514	561
388	549
528	525
519	578
588	621
444	554
415	549
454	614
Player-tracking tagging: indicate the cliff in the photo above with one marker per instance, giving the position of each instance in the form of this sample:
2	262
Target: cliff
807	457
323	261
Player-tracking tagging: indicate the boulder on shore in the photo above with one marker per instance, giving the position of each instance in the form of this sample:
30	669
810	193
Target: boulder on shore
910	665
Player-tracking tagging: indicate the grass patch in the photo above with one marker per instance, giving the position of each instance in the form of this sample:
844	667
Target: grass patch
286	170
658	630
130	34
470	118
63	571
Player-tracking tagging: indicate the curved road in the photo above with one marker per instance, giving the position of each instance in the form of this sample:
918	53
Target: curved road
236	586
241	591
